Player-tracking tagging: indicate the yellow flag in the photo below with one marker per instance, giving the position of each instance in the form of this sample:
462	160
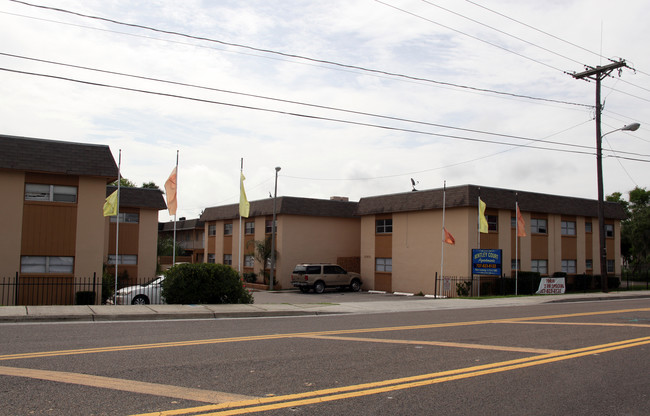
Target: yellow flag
110	206
244	205
483	224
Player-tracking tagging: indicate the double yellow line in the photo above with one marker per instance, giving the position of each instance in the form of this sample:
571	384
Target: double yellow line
359	390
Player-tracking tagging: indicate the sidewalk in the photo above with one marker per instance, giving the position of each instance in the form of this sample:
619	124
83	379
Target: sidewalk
288	303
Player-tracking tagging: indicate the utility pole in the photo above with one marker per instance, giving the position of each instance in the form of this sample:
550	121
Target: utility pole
597	74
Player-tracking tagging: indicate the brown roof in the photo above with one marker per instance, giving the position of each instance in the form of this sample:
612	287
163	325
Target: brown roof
52	156
139	197
286	205
467	196
181	225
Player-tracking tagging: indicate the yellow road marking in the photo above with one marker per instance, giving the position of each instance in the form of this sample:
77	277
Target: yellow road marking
154	389
578	324
300	334
326	395
436	343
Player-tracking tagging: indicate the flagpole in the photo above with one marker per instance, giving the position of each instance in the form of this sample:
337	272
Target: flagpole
442	253
241	236
117	219
478	218
174	242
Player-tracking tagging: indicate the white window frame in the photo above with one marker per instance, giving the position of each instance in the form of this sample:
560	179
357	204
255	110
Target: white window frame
569	266
211	258
539	265
47	264
589	264
249	227
267	226
609	231
384	264
123	259
588	227
227	228
611	266
127	218
493	222
212	230
384	226
568	227
536	226
50	193
249	260
227	259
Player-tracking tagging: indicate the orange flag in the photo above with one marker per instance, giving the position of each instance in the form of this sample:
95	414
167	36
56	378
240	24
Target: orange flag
170	190
449	239
521	224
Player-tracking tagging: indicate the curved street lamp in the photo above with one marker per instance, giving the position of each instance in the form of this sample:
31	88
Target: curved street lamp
601	205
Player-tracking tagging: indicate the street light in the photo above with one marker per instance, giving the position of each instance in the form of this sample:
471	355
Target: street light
275	198
601	204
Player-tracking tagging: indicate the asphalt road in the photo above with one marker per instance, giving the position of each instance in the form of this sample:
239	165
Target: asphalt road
570	358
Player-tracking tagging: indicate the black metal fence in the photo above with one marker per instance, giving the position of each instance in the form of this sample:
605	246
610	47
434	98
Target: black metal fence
49	290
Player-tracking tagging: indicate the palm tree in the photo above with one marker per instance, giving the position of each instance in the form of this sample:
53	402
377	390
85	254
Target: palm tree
262	253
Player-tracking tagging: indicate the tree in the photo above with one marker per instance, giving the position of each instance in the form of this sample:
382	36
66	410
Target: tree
165	245
262	253
150	185
635	230
125	183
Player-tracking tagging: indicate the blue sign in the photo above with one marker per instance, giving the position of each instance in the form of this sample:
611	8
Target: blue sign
486	262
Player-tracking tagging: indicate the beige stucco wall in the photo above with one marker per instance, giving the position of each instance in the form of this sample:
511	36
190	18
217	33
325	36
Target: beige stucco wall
367	251
303	239
89	240
11	220
148	243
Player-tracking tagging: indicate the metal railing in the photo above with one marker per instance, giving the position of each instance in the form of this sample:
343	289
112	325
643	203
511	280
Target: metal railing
49	290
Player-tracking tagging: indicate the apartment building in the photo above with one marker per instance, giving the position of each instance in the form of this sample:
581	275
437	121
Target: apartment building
190	236
307	230
54	232
52	223
138	232
401	235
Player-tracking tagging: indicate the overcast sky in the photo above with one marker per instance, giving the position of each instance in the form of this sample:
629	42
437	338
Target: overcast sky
391	90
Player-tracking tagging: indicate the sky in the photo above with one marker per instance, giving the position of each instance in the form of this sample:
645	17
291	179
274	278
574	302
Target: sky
348	98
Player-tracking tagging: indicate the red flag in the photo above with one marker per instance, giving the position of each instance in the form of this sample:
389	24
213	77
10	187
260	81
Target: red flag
449	239
521	224
170	190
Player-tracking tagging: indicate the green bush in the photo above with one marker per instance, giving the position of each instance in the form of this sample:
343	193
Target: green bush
204	283
250	277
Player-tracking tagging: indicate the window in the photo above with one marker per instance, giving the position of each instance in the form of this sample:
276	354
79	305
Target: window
540	266
610	266
383	264
212	230
568	227
493	222
227	229
569	266
589	264
609	231
333	270
249	260
124	259
52	193
227	259
588	227
249	228
46	264
384	226
127	217
537	226
268	225
514	264
211	258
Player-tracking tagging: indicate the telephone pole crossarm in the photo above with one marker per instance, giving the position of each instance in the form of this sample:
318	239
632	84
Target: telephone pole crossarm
599	70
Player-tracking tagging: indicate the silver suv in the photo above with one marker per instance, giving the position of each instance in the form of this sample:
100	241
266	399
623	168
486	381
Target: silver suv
318	276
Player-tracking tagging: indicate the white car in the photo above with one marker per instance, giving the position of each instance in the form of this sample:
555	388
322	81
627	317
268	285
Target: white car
140	294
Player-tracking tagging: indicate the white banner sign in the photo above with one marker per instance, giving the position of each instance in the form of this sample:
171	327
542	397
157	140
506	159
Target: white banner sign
551	286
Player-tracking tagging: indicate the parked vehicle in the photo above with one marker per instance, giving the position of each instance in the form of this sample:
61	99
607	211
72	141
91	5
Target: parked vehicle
140	294
318	276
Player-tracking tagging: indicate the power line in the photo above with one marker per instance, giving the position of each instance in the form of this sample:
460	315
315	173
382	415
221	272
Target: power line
312	117
295	56
470	36
281	100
